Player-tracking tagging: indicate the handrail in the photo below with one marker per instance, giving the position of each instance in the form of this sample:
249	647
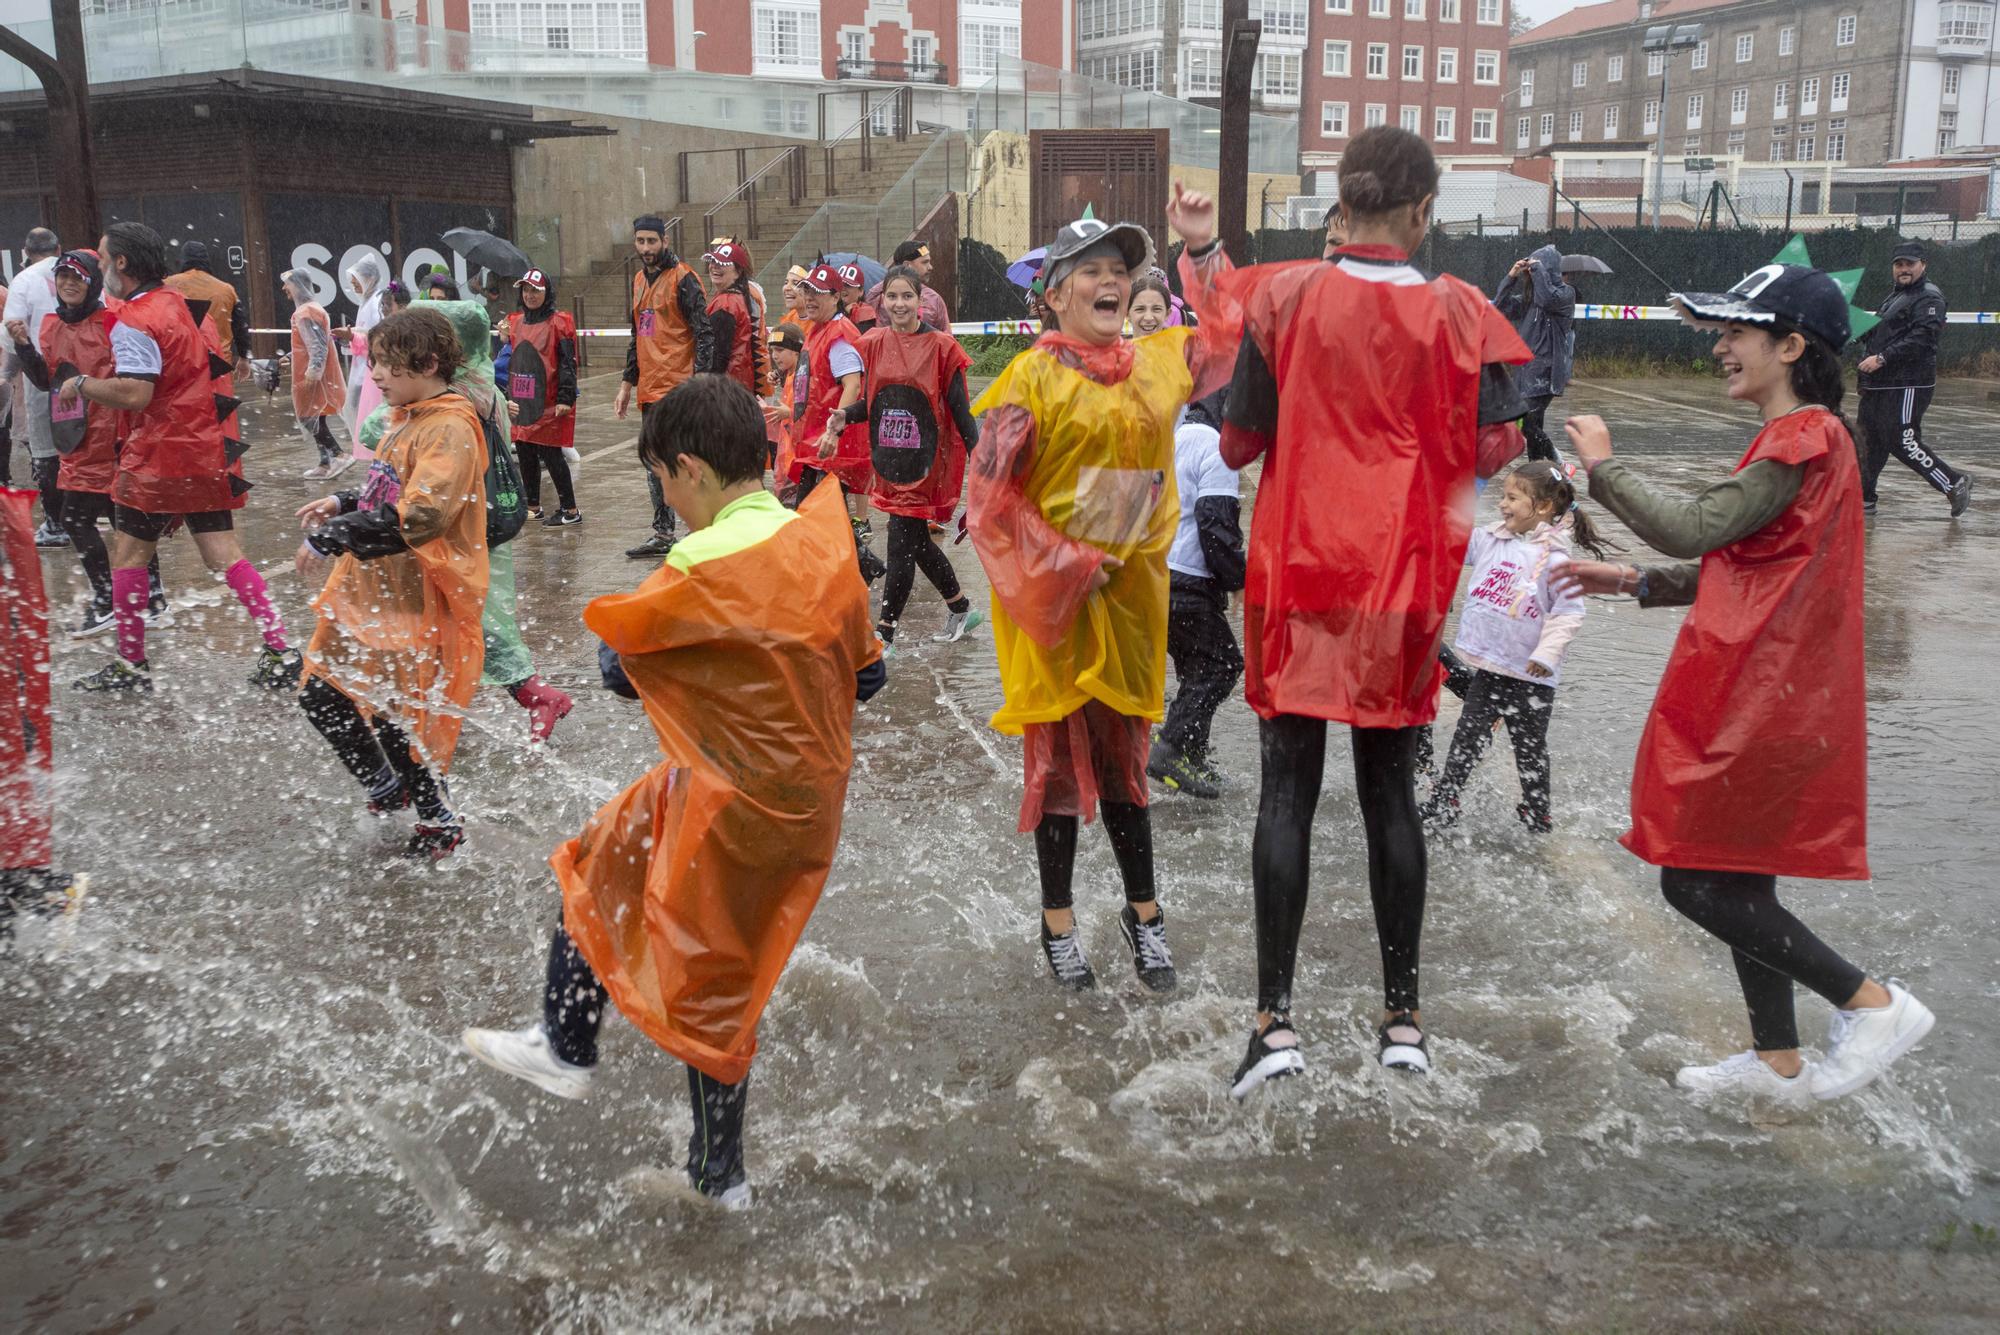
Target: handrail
742	167
904	99
793	159
817	233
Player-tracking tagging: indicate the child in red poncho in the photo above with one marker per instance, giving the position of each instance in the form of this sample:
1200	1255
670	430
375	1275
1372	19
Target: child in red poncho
1072	509
1754	762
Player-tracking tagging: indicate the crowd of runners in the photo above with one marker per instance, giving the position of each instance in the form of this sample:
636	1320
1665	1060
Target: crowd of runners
1096	479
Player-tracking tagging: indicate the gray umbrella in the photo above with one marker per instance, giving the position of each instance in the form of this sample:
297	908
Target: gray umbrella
1584	264
488	251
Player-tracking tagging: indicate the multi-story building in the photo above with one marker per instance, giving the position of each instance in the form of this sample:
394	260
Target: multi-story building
1435	67
1175	47
1767	80
1950	85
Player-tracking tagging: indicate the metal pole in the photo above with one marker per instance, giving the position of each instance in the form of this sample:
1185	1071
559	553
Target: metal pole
1790	186
1660	147
1240	35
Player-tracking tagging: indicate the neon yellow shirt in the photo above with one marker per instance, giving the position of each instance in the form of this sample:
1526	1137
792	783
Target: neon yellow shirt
744	522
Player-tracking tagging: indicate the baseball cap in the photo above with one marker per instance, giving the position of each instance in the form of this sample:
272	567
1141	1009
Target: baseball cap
821	278
726	252
533	278
786	336
850	275
1086	233
1807	299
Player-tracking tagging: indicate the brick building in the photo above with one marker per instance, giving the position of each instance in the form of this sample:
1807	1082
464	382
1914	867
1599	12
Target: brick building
1769	81
1435	67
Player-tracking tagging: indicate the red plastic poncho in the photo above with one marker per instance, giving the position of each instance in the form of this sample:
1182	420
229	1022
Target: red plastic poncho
86	345
545	336
688	891
849	462
26	802
173	461
917	457
1755	757
326	395
749	355
1361	522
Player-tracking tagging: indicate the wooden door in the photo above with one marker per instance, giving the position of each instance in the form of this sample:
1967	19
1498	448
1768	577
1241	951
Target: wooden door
1120	174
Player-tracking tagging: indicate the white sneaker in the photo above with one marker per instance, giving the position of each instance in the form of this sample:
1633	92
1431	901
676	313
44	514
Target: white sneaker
340	465
735	1198
317	473
1747	1078
1861	1044
956	624
526	1053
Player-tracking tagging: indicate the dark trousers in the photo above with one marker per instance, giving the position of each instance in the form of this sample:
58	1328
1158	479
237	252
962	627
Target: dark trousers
1892	422
1534	428
377	754
1207	663
911	548
1294	763
320	432
1525	707
663	515
572	1013
1772	949
534	458
46	472
80	512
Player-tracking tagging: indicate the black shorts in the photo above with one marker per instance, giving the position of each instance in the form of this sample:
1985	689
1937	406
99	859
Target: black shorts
151	528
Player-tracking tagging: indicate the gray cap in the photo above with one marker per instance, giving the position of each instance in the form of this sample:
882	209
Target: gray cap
1087	234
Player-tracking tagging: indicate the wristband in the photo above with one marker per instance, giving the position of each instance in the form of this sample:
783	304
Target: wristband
1645	586
1203	252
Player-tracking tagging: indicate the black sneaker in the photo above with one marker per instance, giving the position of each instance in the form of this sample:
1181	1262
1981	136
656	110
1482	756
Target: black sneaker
1148	943
118	675
1172	770
1400	1056
562	518
1065	956
653	548
434	843
277	671
1961	494
96	620
1262	1062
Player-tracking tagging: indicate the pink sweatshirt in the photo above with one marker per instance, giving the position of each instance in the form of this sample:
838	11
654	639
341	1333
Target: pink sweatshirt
1511	618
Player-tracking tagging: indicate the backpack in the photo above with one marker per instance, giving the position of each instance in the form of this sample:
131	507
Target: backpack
506	510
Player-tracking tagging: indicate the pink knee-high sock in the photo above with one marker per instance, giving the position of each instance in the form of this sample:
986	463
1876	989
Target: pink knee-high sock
129	591
248	586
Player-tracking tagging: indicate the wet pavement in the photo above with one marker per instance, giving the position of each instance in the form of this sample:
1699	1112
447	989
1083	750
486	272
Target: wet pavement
231	1095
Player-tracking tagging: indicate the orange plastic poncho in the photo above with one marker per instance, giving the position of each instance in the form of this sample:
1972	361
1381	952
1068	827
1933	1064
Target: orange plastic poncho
26	799
687	892
327	395
400	633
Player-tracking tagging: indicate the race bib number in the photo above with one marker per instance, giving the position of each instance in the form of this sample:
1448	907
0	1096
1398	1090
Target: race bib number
648	322
67	412
520	387
899	431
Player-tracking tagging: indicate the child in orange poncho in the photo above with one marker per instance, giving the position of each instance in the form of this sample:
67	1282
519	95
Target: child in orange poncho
398	650
684	896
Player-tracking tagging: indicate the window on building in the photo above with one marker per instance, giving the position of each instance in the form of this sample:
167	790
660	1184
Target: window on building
1778	147
1691	145
1575	125
1444	124
1836	92
1488	12
923	51
1282	18
1378	9
1413	9
1204	72
1548	127
1736	138
1333	120
1656	61
1739	105
1375	114
1333	58
1207	14
1696	104
1413	62
1486	67
1649	116
1781	99
1965	23
854	46
1378	60
1951	81
1836	148
786	36
1805	150
1524	133
1611	121
1700	60
1579	74
982	44
1809	96
1843	30
1746	46
1115	18
1614	70
1485	127
1448	11
1332	7
1527	88
1947	131
1788	40
1276	76
577	26
1447	64
1411	119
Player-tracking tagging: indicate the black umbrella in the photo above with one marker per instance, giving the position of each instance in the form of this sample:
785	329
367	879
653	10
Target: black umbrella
1584	264
488	251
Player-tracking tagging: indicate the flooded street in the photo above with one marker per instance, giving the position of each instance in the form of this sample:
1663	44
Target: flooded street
232	1095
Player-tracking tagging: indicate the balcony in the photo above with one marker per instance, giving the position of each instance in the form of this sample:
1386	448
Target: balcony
892	71
1965	28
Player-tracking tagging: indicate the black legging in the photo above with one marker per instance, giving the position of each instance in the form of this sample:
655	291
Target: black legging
871	565
46	472
1525	707
80	512
322	436
911	548
1772	949
573	1004
1294	761
1131	831
378	755
1535	431
533	459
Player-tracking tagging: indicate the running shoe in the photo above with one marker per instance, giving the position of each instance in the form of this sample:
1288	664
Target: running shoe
318	472
277	670
159	614
340	464
1175	771
957	625
388	806
872	566
1263	1062
96	620
534	512
1398	1054
654	548
1961	494
434	842
1065	956
562	518
1867	509
735	1196
48	535
526	1055
1746	1078
1148	943
1862	1044
118	675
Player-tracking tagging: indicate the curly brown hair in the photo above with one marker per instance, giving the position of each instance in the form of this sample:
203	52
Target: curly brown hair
418	340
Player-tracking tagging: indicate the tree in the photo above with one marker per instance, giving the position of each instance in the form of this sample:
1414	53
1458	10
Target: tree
1519	23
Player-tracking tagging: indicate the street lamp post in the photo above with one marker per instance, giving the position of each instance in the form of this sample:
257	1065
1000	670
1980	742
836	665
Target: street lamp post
1666	38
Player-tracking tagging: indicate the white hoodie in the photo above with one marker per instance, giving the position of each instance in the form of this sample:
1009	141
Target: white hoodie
1510	616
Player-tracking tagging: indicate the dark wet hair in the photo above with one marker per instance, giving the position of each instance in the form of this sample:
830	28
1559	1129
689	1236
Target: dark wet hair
395	293
1151	283
145	255
1817	376
419	340
907	274
1547	484
1385	168
907	251
712	418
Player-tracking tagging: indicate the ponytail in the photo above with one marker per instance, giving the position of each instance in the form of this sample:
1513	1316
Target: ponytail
1549	484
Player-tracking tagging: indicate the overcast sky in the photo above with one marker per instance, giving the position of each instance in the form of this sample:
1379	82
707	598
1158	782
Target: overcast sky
1541	11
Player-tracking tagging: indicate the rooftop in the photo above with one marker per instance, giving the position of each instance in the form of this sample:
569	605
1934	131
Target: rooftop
1614	14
